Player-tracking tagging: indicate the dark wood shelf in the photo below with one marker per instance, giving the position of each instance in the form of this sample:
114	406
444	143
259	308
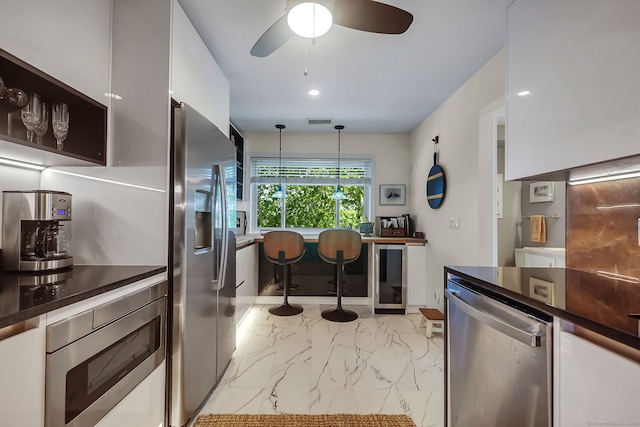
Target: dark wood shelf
238	140
86	142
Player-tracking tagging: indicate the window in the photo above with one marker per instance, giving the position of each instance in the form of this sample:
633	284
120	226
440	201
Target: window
308	185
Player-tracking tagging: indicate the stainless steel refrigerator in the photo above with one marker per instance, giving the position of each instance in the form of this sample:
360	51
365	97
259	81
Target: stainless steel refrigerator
202	263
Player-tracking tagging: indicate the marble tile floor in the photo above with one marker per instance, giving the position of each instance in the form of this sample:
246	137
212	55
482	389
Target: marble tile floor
305	364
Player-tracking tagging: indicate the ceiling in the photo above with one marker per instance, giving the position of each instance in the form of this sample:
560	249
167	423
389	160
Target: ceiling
370	83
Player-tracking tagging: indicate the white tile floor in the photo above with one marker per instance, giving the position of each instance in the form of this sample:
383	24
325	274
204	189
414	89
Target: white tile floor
305	364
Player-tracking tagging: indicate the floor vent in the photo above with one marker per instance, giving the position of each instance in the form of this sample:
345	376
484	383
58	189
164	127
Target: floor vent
319	121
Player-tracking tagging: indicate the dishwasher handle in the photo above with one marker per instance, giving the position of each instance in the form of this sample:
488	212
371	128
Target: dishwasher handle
523	336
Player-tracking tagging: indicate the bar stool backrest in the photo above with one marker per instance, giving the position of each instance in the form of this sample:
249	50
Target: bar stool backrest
332	241
289	242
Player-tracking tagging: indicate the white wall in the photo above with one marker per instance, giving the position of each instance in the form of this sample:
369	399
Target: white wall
391	153
556	230
12	178
470	173
509	235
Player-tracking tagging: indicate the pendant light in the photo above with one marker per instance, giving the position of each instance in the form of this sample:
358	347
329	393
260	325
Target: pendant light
280	194
339	195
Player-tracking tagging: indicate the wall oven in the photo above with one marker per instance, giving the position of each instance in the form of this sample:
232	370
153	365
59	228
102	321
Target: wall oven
95	358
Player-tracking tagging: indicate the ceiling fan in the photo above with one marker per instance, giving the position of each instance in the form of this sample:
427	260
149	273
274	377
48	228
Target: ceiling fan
363	15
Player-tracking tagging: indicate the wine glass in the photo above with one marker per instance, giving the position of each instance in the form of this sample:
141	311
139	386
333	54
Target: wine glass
42	127
31	114
60	122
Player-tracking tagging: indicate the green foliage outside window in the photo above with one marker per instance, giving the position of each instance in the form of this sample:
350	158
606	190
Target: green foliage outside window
310	206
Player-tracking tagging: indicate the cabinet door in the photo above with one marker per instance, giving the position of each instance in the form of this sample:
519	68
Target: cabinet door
22	372
417	275
580	61
246	286
143	407
67	39
534	260
196	78
596	386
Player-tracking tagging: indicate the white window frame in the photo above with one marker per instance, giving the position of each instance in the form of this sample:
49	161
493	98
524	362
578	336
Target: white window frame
369	197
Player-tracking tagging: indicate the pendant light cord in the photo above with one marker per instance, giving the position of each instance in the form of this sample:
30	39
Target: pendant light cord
280	127
339	128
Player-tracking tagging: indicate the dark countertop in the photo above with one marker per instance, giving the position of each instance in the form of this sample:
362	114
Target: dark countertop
23	296
601	302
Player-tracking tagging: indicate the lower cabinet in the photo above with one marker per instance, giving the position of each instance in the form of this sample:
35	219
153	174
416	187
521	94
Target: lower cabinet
246	280
594	386
143	407
417	275
22	361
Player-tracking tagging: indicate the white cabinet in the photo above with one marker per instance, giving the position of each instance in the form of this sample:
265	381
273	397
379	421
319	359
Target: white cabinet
140	74
540	257
22	361
417	275
196	78
246	280
594	386
143	407
67	39
580	61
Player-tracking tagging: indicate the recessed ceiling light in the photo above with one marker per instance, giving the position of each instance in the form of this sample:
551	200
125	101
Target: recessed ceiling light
314	92
524	93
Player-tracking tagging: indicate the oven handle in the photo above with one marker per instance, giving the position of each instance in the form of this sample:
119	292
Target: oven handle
66	331
523	336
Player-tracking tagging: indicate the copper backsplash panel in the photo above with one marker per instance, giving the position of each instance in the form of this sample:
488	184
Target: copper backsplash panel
602	227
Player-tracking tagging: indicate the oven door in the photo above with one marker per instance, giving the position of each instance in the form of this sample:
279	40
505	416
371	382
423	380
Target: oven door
88	377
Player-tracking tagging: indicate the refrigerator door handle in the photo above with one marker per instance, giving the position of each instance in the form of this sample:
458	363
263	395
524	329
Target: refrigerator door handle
222	253
526	337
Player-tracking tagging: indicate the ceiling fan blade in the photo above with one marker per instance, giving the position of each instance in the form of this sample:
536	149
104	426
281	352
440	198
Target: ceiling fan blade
277	35
371	16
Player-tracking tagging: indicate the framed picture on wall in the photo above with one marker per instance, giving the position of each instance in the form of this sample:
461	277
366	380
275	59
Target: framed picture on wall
541	290
541	191
392	194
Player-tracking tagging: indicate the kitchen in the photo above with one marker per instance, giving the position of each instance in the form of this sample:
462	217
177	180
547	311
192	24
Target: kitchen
138	148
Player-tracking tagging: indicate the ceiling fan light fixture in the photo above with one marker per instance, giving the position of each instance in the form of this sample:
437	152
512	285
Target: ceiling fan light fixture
309	19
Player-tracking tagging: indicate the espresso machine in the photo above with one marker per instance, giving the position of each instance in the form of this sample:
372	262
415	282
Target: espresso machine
35	230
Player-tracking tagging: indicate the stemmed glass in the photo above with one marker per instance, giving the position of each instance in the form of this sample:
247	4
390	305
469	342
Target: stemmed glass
60	122
31	114
41	128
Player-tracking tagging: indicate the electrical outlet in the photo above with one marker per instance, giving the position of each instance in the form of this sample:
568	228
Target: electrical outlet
454	223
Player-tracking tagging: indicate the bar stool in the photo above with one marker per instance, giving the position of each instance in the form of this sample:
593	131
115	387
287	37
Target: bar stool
284	248
339	247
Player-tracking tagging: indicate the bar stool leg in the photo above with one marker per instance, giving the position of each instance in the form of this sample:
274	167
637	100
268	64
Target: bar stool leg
339	314
285	309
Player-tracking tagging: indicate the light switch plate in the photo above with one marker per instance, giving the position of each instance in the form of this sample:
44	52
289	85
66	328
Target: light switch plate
454	223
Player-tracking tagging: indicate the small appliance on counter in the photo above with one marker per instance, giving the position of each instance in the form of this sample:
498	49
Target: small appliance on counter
241	223
35	229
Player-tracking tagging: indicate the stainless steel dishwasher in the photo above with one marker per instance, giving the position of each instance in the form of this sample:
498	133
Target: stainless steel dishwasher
498	362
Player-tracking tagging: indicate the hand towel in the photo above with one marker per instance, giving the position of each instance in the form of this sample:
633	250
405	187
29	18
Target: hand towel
538	229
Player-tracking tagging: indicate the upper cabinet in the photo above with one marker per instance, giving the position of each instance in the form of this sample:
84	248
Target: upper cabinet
66	39
140	73
196	78
573	85
60	52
